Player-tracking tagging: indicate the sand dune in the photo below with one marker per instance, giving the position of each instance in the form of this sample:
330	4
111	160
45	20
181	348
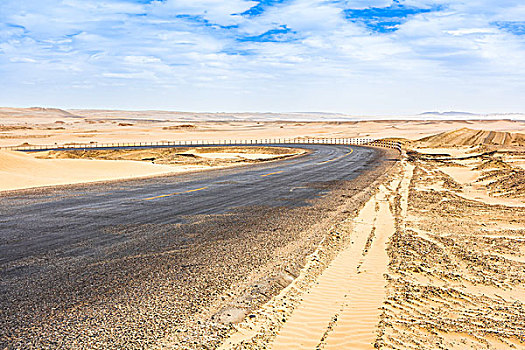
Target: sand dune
40	126
470	137
19	170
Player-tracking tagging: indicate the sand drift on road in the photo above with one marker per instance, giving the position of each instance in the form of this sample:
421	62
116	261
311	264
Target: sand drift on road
19	170
168	261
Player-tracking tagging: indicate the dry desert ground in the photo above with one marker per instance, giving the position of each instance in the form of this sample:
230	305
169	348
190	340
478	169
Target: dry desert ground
48	126
433	258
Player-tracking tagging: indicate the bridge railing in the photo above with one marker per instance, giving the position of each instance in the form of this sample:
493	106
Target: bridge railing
205	143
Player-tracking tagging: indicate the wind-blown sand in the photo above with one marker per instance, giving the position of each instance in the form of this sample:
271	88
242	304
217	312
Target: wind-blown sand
20	170
348	295
39	126
435	259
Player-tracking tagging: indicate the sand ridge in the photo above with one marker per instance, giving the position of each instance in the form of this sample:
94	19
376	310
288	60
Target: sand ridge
471	137
20	170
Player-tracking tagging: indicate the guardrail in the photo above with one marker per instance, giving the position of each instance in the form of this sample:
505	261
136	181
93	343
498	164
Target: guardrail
208	143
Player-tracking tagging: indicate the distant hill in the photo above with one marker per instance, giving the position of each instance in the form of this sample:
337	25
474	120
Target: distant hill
449	114
55	111
162	115
470	137
34	112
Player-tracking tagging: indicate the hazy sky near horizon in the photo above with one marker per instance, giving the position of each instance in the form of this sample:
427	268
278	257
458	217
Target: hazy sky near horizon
357	57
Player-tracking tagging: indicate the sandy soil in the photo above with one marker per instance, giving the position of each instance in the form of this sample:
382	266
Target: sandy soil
434	260
457	272
49	126
20	170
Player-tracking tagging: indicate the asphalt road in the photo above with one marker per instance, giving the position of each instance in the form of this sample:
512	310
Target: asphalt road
53	242
37	224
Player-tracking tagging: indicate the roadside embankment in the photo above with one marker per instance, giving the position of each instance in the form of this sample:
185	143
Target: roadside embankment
335	300
435	259
51	168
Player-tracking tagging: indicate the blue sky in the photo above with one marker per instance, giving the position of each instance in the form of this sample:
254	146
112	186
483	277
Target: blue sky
357	57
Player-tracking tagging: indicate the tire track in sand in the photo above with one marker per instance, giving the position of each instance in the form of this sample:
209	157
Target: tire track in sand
343	308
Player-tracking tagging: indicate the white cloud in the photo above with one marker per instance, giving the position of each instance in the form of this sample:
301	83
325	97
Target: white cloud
22	59
216	11
141	60
297	55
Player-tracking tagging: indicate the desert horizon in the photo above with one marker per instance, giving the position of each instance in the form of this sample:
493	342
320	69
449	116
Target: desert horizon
56	127
357	255
478	163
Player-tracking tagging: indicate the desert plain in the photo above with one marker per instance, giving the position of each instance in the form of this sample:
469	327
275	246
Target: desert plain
425	252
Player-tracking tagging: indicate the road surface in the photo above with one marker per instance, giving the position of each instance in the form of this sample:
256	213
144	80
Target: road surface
73	258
